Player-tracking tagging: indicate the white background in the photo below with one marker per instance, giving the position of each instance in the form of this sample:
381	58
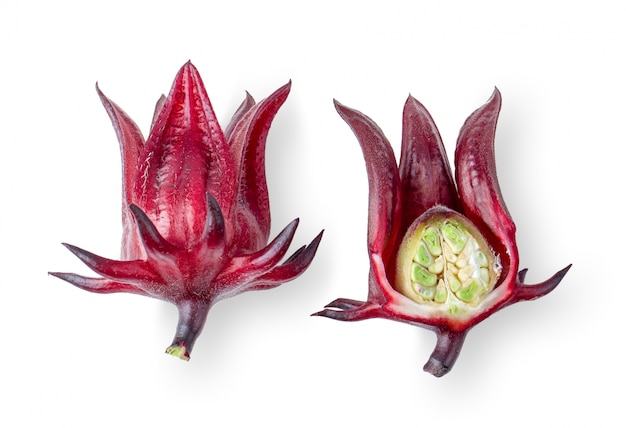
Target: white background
75	359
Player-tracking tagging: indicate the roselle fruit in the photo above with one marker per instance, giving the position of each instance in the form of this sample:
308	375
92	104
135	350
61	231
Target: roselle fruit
195	208
442	255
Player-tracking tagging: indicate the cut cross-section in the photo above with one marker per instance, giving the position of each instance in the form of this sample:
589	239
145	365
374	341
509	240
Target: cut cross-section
445	261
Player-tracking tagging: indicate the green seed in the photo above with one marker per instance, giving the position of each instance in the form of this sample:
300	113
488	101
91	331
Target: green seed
422	256
442	293
454	237
422	276
454	283
431	239
469	293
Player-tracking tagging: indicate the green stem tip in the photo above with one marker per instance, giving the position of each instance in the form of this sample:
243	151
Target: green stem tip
179	351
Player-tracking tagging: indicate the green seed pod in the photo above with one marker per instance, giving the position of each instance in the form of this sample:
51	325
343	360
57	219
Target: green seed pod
445	261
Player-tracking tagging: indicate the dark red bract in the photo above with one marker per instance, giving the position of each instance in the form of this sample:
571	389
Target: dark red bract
195	208
419	196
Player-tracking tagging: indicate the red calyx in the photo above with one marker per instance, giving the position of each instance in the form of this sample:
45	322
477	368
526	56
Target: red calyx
405	199
195	208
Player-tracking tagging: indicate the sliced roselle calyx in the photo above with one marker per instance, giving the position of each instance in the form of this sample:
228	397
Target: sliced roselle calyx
440	258
195	210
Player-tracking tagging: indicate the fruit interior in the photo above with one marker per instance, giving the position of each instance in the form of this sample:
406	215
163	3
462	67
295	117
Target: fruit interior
445	261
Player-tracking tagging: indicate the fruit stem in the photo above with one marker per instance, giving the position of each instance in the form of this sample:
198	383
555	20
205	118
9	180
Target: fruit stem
191	317
447	350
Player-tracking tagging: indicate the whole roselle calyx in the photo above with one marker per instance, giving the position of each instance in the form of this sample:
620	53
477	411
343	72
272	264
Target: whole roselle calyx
442	256
195	209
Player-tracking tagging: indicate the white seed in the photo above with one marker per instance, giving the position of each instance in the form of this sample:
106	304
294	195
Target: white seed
481	258
465	273
436	266
427	293
461	262
452	268
484	274
448	254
